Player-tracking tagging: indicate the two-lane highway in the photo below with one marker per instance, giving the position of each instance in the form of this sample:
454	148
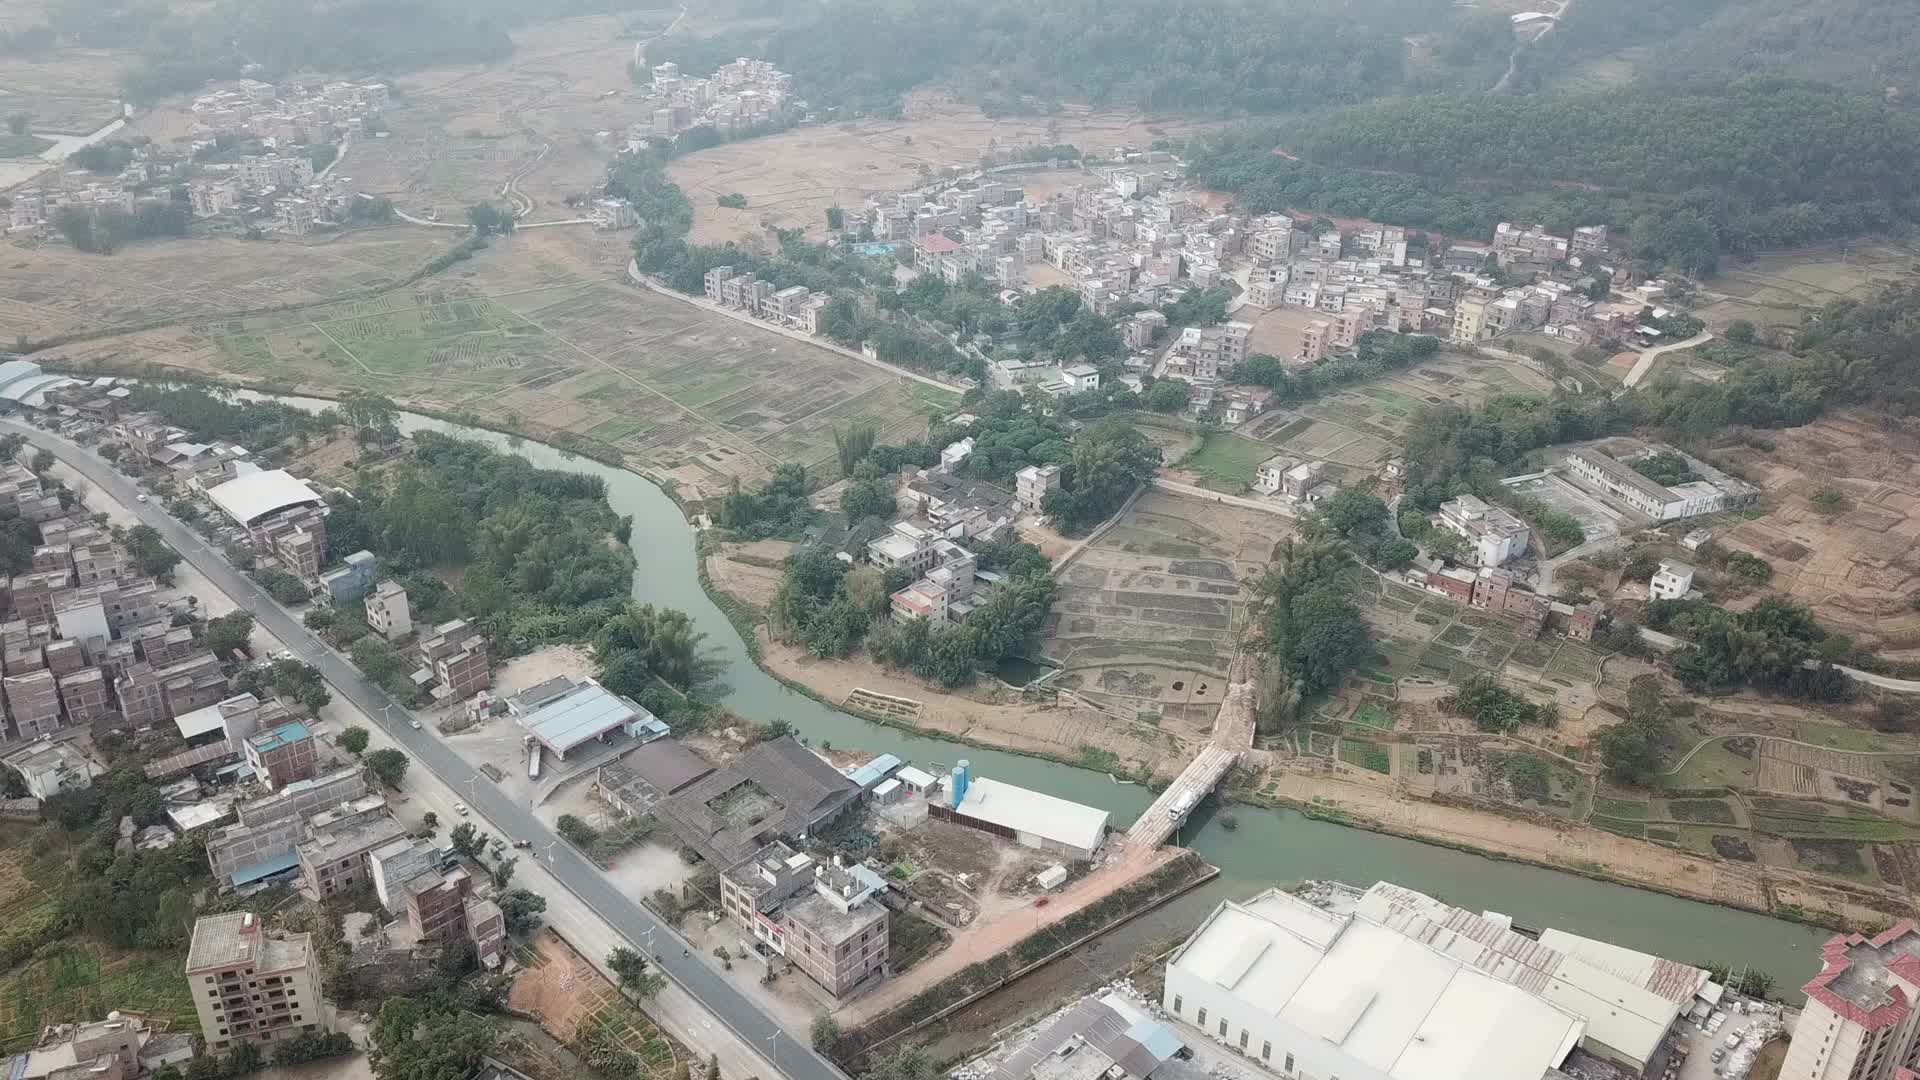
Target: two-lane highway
790	1057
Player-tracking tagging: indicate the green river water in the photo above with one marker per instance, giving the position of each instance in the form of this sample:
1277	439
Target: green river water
1268	847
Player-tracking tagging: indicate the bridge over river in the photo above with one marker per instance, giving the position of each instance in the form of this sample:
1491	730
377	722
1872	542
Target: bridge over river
1232	738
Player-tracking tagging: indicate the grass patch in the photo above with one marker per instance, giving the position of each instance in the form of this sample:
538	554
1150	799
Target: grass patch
1710	811
1370	756
1373	715
1845	738
1099	760
83	981
22	146
1630	809
1635	829
911	939
1670	836
1715	766
1835	828
1228	462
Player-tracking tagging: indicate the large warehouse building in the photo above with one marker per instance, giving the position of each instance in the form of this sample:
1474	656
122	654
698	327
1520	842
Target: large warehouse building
247	499
1030	818
1303	990
582	713
1318	987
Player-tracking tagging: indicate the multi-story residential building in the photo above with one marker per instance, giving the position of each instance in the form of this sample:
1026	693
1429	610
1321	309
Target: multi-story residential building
1315	340
333	854
1031	485
143	702
1860	1022
350	581
822	917
282	755
1495	535
193	683
1470	315
33	701
250	984
457	655
1527	248
1671	581
49	768
387	612
1589	240
84	697
945	593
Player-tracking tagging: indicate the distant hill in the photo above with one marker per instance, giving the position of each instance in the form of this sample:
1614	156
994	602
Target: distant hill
1864	44
1210	56
1756	163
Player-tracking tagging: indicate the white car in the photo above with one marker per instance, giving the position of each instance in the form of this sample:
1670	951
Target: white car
460	808
414	724
139	498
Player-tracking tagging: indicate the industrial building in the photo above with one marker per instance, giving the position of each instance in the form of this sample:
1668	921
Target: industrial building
1618	482
580	713
778	788
1029	818
1392	982
248	499
1302	990
1103	1036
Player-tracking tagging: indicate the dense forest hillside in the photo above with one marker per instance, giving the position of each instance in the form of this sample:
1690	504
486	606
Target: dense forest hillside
1212	56
1865	44
1760	162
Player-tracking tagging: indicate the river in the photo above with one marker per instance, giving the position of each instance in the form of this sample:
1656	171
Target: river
1268	847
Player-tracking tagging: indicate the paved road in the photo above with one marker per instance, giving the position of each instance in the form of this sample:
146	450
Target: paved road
1645	363
791	1058
1265	506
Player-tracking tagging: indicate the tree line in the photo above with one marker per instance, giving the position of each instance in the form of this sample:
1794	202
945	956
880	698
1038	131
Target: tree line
1737	167
1225	56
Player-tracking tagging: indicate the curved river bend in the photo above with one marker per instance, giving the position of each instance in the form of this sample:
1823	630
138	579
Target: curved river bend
1268	847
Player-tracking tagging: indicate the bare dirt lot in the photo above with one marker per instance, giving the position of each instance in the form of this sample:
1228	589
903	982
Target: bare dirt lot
790	179
1857	568
1145	621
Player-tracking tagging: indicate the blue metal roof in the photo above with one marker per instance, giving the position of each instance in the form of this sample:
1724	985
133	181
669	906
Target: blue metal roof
266	868
291	732
874	771
1154	1039
585	712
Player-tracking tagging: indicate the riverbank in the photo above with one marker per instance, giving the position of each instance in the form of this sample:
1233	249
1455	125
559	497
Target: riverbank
741	578
1574	849
1267	847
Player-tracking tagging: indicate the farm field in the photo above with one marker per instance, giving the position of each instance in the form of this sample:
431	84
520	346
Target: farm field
54	291
76	979
1227	462
792	178
1858	569
682	393
1148	617
1777	289
458	133
1357	429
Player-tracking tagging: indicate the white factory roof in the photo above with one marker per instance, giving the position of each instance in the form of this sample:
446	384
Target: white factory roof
258	494
1034	812
1628	999
1389	1002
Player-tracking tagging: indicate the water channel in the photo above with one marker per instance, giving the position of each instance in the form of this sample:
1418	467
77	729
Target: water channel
1268	847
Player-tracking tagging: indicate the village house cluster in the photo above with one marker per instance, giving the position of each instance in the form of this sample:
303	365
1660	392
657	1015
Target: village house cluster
736	98
295	112
795	307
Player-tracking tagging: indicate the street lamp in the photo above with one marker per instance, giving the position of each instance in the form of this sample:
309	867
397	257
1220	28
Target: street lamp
773	1040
